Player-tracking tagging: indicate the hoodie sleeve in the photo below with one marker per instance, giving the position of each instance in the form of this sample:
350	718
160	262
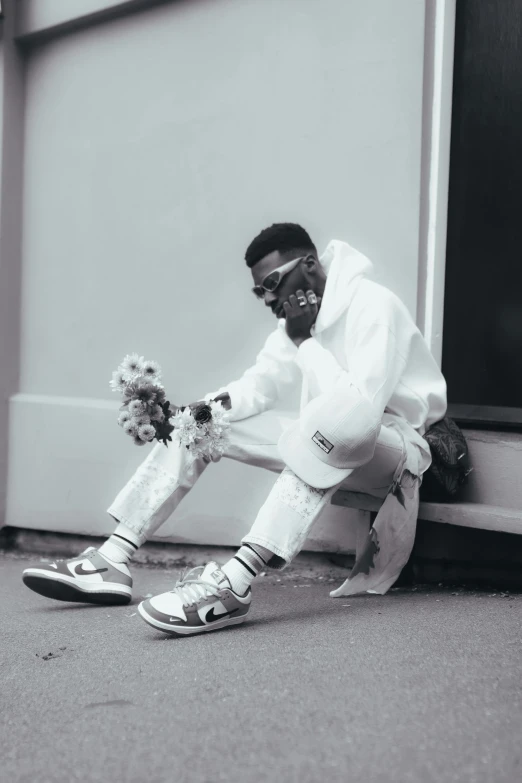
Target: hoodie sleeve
261	385
375	364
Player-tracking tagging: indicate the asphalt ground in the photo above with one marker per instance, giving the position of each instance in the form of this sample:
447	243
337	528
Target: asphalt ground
419	685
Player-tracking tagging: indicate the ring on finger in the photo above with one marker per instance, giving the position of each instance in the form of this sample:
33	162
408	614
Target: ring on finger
312	298
302	301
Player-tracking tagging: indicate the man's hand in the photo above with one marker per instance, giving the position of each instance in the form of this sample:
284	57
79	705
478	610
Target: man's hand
223	398
300	318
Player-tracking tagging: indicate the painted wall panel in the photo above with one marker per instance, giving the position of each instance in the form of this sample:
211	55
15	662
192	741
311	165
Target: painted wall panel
157	146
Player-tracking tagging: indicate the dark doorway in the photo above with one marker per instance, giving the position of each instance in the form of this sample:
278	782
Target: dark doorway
482	346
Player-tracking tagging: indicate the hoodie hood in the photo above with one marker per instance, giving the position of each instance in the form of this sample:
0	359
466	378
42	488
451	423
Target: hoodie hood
345	267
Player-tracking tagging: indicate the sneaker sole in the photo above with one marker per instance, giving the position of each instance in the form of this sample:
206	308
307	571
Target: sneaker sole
188	630
62	590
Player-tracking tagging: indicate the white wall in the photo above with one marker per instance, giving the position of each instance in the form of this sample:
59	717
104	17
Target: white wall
157	146
11	168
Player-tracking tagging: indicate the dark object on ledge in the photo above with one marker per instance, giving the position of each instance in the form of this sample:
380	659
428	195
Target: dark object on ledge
451	464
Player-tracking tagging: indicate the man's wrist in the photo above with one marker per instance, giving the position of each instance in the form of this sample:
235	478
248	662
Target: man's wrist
224	399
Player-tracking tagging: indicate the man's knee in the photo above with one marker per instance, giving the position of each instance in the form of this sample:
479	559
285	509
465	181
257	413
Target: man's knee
365	429
329	441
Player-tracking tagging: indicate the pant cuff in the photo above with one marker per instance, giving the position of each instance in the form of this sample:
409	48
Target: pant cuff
279	559
121	519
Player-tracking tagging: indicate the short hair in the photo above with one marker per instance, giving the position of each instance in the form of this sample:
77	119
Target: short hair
284	237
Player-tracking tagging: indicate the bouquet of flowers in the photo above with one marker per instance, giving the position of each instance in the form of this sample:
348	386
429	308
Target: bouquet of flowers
147	415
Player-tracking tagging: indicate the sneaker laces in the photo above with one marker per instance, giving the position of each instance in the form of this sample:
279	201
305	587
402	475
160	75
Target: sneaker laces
192	589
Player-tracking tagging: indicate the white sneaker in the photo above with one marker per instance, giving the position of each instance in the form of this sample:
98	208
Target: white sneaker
89	578
201	601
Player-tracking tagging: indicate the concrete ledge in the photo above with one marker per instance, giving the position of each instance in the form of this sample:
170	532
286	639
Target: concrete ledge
476	515
36	543
479	561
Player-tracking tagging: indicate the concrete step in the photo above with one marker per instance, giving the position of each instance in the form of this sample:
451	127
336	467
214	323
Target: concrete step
492	500
496	458
477	515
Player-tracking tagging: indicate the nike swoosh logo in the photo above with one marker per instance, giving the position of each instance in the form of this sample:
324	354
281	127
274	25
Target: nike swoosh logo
210	616
80	570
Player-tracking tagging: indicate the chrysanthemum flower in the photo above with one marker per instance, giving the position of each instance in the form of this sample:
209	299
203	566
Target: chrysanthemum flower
220	416
151	370
137	407
128	394
118	383
146	392
157	414
132	364
211	437
185	427
161	397
147	432
123	417
138	441
141	421
130	428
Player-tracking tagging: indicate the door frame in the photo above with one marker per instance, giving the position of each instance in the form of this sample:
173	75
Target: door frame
439	43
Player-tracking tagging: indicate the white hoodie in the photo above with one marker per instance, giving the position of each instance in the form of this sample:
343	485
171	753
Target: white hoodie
363	332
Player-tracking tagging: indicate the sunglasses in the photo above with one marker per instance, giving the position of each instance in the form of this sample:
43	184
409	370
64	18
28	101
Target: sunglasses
272	280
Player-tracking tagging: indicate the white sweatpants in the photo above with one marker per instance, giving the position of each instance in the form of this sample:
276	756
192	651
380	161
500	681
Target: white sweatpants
285	519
